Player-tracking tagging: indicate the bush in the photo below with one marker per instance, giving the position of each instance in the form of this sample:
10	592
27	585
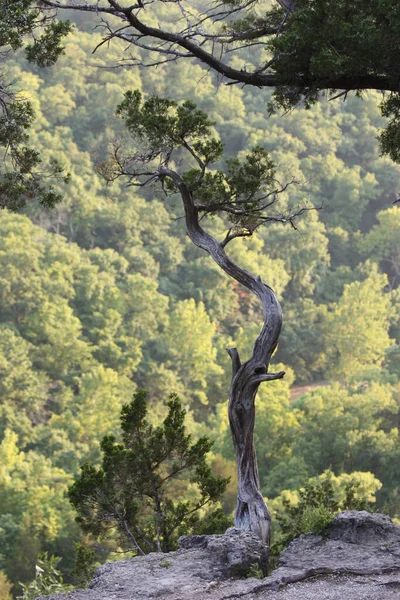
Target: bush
137	489
317	505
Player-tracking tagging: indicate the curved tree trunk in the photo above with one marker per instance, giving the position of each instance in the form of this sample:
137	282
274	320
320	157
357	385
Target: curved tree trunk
251	511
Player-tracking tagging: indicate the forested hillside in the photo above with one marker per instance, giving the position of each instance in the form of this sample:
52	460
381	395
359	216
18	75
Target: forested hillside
105	294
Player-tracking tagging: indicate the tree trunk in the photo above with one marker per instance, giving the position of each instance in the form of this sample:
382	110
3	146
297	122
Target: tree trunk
251	511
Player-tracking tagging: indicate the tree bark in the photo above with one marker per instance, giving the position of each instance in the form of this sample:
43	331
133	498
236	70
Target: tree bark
251	511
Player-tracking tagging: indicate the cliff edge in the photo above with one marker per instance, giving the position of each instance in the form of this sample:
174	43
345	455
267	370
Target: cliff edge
357	559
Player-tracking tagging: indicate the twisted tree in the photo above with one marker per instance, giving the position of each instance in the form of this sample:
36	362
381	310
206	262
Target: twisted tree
245	193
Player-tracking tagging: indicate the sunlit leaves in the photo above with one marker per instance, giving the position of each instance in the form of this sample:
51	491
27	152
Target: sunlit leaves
358	326
32	490
187	342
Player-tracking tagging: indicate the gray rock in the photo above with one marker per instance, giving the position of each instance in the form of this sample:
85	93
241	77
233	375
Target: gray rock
201	562
234	552
358	542
358	559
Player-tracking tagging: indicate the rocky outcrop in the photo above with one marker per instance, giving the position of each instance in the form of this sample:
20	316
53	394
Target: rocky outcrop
358	558
358	542
231	554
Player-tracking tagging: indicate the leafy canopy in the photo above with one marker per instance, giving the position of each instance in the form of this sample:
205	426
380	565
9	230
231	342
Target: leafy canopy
324	42
165	134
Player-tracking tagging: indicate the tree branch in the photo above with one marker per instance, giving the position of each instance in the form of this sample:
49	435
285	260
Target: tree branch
236	363
235	234
187	40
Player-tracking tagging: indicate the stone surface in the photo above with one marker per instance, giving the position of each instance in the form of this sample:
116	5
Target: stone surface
359	559
232	553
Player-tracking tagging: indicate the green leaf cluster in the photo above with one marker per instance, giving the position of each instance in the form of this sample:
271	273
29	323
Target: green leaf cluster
390	137
164	124
22	176
48	579
316	504
5	587
323	41
20	19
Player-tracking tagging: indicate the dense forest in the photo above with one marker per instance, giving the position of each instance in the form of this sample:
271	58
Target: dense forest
104	294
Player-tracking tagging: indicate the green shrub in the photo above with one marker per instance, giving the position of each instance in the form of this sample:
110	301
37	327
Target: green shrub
138	489
48	579
317	506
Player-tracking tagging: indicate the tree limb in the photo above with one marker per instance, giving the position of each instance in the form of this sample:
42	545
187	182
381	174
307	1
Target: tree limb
187	40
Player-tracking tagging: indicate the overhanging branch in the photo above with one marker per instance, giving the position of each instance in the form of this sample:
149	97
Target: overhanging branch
191	39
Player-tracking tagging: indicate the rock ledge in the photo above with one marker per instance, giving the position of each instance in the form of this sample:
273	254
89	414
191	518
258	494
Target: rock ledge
359	558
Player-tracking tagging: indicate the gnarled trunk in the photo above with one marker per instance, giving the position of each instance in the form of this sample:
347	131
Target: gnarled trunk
251	511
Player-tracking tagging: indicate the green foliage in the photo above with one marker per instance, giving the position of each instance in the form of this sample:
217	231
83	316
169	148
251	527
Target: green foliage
161	126
165	564
214	521
194	360
132	490
390	137
22	175
342	40
382	243
46	49
85	564
323	41
48	579
358	326
348	429
315	510
318	502
5	587
23	18
255	571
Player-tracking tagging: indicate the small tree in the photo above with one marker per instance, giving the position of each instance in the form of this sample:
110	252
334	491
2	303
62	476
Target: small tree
245	194
133	491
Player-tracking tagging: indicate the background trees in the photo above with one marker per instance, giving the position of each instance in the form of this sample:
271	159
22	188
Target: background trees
23	176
